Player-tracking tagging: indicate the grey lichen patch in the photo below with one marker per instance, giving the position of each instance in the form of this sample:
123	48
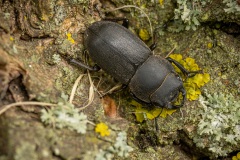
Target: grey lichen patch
219	127
60	14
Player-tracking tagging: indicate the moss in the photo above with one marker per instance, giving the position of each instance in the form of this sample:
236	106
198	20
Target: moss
26	152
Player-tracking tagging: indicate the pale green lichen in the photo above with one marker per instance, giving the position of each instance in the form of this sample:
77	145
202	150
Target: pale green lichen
188	13
65	115
232	7
219	127
120	148
60	14
56	58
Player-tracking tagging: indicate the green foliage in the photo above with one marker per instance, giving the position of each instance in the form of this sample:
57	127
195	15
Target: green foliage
119	148
219	127
65	116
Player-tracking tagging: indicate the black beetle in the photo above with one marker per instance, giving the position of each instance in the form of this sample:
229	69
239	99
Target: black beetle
129	60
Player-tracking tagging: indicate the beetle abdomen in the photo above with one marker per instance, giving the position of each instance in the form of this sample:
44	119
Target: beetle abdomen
115	49
149	77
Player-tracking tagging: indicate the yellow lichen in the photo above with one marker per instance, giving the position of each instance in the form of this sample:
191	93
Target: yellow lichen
190	64
11	38
193	84
44	17
161	2
177	57
102	129
237	157
166	112
144	113
69	37
144	35
210	45
234	158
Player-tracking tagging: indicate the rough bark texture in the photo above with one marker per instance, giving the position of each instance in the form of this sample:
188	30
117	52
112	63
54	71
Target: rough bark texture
38	36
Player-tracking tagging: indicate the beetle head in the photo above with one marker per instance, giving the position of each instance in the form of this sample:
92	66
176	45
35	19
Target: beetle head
168	92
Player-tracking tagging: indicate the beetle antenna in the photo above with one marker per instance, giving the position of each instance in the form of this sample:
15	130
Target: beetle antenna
100	14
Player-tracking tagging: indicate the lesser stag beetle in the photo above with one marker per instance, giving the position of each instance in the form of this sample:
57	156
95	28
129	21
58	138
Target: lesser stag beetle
129	60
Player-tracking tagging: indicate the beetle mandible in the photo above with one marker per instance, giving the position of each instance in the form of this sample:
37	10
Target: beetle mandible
129	60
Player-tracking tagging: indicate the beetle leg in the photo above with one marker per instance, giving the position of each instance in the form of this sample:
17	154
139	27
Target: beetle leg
81	64
99	13
184	71
125	21
156	123
184	94
154	45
